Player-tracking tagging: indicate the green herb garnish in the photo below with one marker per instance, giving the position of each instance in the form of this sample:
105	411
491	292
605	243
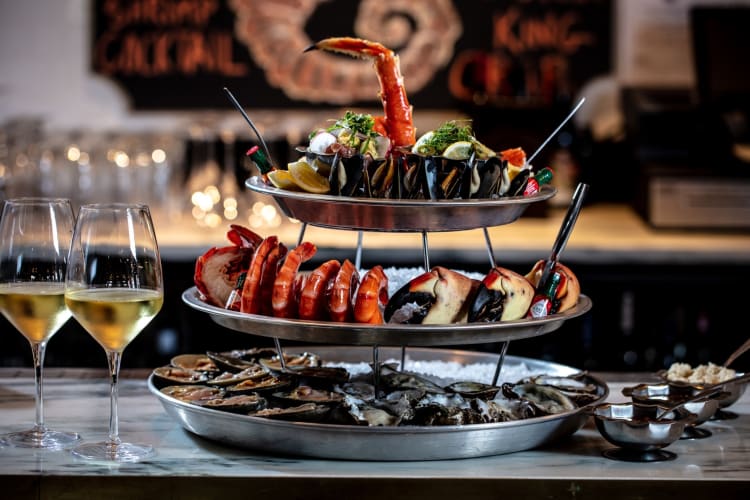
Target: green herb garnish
445	135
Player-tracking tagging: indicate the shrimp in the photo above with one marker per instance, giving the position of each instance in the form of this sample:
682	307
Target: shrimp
372	296
397	121
317	289
285	295
250	301
268	277
341	304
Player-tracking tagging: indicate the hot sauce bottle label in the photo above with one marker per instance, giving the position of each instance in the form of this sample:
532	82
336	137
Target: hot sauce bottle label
540	307
541	304
544	176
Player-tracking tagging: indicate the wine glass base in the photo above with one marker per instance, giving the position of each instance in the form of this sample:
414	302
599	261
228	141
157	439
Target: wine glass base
108	452
44	439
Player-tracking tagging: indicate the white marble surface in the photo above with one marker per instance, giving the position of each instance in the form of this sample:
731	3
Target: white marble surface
77	400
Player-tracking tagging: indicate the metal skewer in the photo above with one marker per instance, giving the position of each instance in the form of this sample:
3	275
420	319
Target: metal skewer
569	221
250	122
570	115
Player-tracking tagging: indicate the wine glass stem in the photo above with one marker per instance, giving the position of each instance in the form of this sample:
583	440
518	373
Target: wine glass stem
37	352
113	359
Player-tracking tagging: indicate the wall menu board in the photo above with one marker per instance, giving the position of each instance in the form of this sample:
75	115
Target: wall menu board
179	54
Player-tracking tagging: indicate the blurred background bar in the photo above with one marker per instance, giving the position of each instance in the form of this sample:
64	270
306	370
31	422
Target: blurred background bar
103	100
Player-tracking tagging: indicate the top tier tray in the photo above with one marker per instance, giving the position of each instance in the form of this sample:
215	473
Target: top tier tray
394	215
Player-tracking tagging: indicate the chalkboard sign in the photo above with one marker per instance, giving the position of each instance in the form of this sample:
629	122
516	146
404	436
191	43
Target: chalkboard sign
179	54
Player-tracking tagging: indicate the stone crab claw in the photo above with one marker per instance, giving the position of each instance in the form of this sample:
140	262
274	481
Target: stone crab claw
218	270
503	295
440	296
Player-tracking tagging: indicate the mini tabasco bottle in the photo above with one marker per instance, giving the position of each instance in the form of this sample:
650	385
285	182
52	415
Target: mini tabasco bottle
541	304
261	161
233	301
542	177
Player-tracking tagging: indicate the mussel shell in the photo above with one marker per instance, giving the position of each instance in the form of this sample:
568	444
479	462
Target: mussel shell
490	174
239	403
170	375
307	412
232	378
192	393
199	362
261	385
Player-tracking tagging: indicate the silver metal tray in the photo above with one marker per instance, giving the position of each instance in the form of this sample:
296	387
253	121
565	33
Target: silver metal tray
385	443
387	334
388	215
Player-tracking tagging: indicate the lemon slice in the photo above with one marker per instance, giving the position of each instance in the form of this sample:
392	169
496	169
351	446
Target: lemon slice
307	178
460	150
513	171
282	179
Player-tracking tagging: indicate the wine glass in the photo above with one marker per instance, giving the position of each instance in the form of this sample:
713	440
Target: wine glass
114	288
35	235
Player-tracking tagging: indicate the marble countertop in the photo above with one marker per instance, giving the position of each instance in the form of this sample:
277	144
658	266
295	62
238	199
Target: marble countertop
188	466
604	234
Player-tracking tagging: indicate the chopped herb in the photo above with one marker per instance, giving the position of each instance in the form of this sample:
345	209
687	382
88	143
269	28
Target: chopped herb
445	135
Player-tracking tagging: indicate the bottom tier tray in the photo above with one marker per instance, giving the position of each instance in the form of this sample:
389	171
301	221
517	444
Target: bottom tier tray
403	443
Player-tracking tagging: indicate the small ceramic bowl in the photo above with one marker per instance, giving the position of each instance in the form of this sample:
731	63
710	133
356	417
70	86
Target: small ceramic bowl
635	430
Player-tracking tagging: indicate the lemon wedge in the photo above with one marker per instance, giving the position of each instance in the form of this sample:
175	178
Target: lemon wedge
307	178
460	150
282	179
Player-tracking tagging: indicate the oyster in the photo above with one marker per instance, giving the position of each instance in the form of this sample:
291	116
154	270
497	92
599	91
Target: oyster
192	393
255	371
170	375
198	362
307	412
240	403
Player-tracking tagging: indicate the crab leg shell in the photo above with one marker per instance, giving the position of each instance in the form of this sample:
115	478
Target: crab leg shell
398	121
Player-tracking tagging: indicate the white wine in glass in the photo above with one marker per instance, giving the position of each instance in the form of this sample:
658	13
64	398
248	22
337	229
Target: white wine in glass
114	288
35	235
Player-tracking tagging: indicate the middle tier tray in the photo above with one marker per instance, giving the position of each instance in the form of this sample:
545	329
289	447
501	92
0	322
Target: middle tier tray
385	334
398	215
